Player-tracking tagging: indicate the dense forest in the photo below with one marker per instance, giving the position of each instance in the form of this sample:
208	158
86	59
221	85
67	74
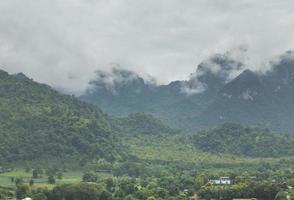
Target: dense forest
246	141
36	121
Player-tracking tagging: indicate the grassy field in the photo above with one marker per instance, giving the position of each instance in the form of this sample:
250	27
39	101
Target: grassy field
68	177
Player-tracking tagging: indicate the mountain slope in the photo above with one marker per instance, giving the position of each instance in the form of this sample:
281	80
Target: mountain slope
257	99
239	140
36	121
241	100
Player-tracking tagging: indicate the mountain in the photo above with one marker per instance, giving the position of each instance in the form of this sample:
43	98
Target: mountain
219	91
238	140
215	72
118	92
122	92
37	121
241	100
257	99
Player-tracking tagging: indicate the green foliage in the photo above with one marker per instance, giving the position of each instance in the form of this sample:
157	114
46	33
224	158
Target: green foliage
59	175
36	120
23	191
18	181
235	139
6	194
90	177
248	190
37	173
51	179
109	182
31	182
39	196
79	191
142	123
281	195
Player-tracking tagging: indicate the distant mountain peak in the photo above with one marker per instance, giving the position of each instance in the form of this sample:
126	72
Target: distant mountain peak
20	76
114	76
247	74
213	74
220	66
244	85
3	73
118	80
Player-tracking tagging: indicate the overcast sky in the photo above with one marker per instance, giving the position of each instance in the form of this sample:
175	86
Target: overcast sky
61	42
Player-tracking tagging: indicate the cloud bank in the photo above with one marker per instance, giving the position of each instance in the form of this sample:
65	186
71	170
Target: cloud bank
62	42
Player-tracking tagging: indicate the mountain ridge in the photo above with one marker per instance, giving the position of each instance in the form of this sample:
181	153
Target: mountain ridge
221	90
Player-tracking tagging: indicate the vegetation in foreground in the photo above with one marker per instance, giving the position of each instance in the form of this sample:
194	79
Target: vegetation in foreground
263	182
162	167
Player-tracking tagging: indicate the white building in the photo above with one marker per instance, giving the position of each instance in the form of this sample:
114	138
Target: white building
221	181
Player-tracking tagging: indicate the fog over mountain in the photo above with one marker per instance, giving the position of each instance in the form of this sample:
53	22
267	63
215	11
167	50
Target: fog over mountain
220	90
62	42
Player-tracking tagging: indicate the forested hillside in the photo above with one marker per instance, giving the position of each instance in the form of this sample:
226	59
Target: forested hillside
243	141
36	121
141	123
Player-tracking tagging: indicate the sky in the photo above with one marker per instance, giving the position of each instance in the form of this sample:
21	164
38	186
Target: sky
63	42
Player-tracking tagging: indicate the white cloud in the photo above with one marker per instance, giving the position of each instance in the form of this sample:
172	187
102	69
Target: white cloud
62	42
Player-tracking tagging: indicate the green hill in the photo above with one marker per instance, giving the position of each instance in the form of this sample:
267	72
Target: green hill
37	121
239	140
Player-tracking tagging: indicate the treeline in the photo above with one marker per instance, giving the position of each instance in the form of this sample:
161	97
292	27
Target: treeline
133	180
185	186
